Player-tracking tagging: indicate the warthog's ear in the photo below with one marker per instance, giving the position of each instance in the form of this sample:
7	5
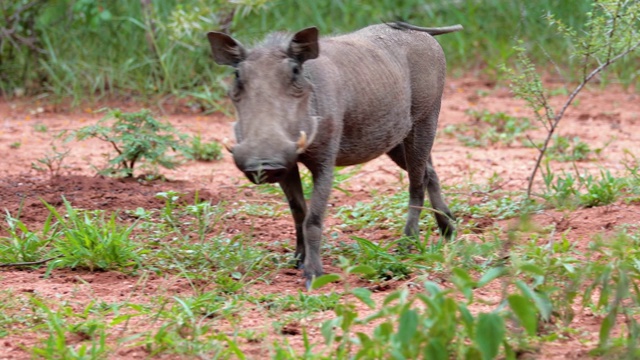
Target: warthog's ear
304	45
226	50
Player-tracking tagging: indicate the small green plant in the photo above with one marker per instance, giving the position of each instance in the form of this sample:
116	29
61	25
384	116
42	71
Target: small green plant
304	302
170	204
52	164
15	145
565	149
568	191
434	323
25	246
205	151
206	216
612	292
561	190
386	264
56	346
341	175
382	211
185	330
137	138
17	312
40	127
90	240
603	191
489	128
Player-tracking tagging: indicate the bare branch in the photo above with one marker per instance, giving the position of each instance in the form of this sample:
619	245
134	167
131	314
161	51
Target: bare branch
28	263
566	105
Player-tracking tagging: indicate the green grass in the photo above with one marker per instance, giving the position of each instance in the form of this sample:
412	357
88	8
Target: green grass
489	128
91	240
584	190
24	245
520	284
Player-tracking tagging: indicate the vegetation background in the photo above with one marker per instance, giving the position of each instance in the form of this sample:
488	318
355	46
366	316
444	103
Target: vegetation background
92	49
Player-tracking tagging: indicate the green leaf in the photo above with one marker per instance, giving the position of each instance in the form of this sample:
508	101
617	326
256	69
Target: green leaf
407	326
605	328
489	334
532	268
490	275
508	351
436	350
391	297
364	295
525	311
542	303
463	281
361	269
466	317
324	280
328	329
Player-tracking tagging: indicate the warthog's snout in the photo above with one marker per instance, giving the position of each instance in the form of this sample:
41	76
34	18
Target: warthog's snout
262	166
267	161
265	172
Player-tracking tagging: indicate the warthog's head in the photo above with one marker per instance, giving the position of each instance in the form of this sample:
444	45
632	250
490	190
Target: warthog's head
272	99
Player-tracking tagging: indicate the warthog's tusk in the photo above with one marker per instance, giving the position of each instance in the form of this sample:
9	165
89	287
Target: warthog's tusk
302	142
227	145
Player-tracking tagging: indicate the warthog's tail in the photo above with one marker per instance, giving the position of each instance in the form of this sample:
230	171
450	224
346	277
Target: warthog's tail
400	25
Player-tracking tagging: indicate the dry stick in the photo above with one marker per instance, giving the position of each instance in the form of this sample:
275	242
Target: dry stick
558	117
30	262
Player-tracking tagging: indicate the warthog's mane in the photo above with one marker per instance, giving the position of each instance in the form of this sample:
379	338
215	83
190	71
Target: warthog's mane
276	40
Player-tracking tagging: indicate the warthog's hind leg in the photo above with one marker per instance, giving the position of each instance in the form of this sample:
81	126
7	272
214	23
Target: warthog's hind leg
442	213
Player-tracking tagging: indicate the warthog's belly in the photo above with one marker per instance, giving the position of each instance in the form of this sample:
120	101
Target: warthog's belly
371	138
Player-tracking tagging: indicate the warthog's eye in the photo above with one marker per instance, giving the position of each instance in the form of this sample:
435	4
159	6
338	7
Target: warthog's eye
234	92
296	79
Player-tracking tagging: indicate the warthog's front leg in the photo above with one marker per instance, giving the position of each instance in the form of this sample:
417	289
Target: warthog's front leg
292	188
322	180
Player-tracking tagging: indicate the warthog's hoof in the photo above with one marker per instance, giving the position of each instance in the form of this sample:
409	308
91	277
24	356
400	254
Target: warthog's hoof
310	276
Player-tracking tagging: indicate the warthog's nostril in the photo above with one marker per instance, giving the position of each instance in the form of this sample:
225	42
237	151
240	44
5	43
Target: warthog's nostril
266	174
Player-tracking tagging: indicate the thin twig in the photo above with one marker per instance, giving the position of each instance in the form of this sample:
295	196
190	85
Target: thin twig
27	263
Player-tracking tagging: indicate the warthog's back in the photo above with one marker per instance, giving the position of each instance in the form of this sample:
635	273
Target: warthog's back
384	78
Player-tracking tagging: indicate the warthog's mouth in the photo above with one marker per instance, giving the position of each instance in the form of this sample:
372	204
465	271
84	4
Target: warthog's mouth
266	174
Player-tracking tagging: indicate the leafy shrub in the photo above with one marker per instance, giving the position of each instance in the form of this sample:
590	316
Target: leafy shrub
565	191
136	138
565	149
434	323
205	151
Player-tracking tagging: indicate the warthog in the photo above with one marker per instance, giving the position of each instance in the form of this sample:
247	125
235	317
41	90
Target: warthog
337	101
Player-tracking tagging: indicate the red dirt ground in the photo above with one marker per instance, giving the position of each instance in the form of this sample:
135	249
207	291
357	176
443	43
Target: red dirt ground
601	117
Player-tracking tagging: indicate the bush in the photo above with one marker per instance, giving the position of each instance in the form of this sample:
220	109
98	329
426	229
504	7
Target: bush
205	151
136	138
